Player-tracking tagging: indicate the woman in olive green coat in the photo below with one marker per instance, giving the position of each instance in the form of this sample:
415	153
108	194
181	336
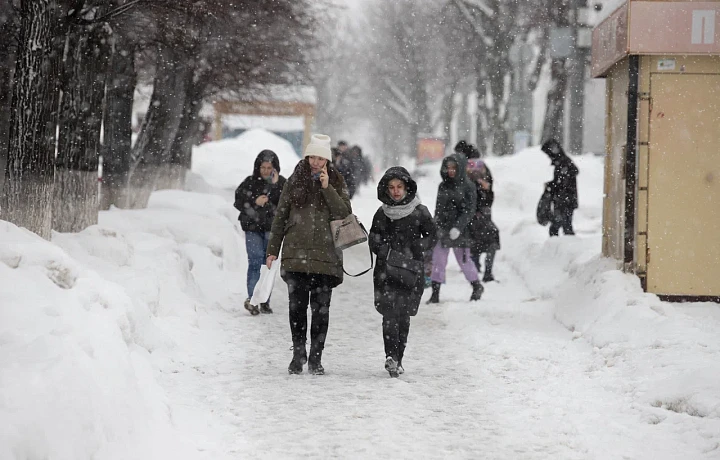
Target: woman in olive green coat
314	195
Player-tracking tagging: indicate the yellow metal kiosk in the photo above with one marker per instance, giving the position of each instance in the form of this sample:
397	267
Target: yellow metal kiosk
661	211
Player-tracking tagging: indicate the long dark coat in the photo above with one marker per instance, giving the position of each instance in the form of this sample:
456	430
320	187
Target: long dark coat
563	187
410	236
456	204
564	184
254	218
302	223
484	232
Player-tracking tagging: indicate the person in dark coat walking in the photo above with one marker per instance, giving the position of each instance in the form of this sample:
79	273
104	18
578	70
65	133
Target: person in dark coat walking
402	231
484	232
257	198
314	195
454	209
346	165
562	188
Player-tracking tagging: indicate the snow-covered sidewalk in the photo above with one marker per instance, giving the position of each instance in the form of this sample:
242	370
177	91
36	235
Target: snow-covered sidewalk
129	340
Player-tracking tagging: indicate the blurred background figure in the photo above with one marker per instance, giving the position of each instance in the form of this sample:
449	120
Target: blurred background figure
562	188
483	231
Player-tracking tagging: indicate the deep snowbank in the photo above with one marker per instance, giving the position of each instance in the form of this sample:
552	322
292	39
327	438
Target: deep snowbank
79	317
224	164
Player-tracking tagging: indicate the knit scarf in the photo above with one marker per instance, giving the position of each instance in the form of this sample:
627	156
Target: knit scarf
398	212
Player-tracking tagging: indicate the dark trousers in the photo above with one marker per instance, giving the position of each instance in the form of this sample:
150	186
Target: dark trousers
489	260
395	334
315	290
562	218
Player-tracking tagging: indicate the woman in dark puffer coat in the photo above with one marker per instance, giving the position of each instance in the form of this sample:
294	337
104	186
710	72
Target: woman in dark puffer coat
454	209
402	231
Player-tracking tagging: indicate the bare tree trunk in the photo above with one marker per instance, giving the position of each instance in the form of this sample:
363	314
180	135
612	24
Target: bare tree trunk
553	128
117	127
27	192
75	204
448	106
174	173
153	147
5	100
481	121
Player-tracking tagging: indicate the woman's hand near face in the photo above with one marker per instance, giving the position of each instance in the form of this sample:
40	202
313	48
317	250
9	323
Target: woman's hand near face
324	178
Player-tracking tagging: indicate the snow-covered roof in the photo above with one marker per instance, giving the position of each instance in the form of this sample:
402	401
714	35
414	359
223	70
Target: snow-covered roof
276	93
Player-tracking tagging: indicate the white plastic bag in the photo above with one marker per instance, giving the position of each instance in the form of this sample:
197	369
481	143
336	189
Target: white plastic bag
265	284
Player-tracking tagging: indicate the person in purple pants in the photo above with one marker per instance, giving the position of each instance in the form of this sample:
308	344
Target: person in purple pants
454	209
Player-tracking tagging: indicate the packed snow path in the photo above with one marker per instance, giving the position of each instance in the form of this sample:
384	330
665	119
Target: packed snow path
495	379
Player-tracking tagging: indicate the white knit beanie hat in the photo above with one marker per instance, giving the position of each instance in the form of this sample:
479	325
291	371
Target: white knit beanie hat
319	146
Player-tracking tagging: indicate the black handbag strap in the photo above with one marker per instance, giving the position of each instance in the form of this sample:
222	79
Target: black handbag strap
372	265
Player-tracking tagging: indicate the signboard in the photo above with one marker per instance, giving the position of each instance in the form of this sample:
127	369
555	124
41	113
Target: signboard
430	149
609	41
674	28
656	27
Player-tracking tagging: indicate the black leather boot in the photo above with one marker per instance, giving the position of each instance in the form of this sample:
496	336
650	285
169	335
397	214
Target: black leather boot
299	359
435	297
314	366
478	290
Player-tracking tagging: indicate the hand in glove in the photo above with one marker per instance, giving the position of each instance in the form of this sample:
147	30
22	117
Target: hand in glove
383	251
454	233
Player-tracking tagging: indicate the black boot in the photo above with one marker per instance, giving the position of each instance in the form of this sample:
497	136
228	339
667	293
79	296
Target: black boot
314	366
265	308
435	297
299	359
478	290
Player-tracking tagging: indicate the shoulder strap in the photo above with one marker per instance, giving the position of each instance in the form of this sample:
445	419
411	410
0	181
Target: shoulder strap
371	257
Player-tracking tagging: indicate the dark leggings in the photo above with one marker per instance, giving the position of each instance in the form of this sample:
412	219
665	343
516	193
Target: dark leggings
562	218
489	260
313	289
395	334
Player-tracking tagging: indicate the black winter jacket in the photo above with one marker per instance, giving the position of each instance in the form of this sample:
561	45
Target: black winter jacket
564	184
563	187
456	204
254	218
411	236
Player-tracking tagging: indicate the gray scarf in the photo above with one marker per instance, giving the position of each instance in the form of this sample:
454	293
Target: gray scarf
398	212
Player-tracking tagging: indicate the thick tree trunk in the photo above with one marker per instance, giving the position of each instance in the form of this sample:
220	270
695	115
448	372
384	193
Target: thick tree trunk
7	59
173	176
498	113
554	122
153	146
481	122
117	128
27	193
5	100
75	204
553	127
